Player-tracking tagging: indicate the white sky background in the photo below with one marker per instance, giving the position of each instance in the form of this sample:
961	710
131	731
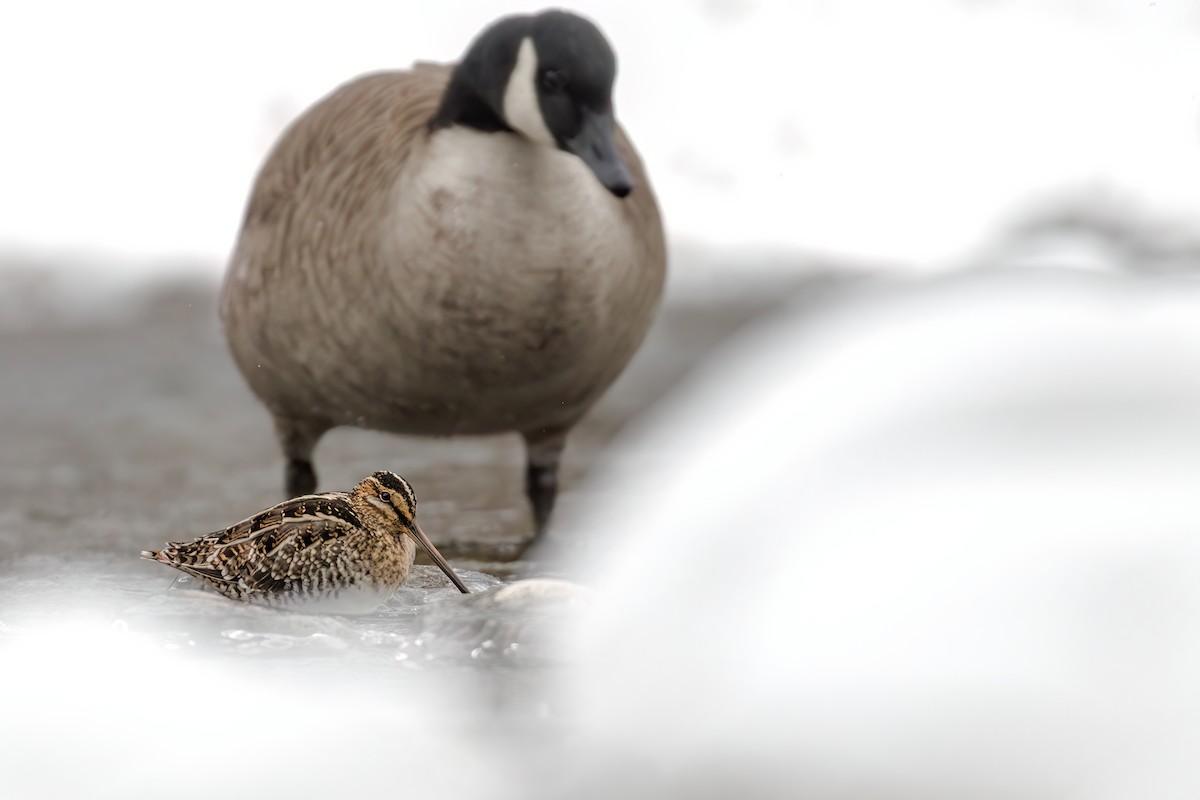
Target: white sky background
131	130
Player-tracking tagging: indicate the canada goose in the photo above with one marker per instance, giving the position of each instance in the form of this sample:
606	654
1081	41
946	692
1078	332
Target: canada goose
472	249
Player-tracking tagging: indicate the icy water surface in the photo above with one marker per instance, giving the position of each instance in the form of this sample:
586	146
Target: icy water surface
427	622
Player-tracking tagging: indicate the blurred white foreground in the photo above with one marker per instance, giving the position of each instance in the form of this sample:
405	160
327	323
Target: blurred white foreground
942	543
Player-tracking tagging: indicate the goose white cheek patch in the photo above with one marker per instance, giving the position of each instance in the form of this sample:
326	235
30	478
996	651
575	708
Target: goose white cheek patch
521	109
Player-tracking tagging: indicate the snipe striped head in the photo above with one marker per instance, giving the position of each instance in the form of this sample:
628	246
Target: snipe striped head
394	499
391	494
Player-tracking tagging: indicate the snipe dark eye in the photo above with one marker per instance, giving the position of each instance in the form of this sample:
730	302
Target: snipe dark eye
385	497
553	80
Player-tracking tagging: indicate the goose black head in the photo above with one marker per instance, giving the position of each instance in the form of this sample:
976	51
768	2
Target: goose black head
548	77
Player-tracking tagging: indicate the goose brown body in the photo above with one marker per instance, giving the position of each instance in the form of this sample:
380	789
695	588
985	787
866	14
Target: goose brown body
435	279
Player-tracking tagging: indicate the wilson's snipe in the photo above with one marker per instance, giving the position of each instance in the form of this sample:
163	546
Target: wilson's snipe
349	549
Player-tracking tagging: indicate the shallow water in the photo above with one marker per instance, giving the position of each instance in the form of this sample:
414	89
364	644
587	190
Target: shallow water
425	622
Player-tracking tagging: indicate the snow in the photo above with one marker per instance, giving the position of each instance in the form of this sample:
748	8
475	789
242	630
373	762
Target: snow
906	131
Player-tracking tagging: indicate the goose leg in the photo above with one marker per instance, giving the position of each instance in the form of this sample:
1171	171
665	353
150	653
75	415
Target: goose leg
543	451
298	439
299	477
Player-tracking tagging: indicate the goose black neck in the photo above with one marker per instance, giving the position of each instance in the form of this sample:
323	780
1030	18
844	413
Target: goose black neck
462	105
475	93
